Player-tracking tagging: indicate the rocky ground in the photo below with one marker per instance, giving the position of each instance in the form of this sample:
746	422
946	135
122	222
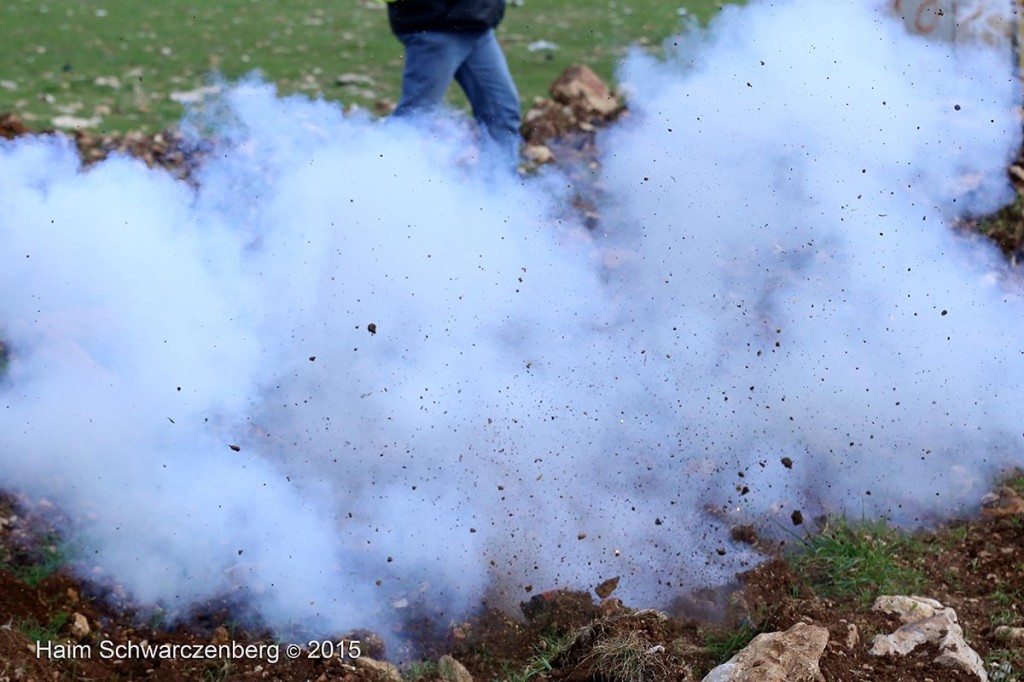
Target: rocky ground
843	602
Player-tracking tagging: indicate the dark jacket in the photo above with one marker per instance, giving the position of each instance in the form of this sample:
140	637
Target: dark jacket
410	16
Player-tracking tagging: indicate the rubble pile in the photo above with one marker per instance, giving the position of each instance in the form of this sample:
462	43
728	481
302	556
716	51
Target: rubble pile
563	128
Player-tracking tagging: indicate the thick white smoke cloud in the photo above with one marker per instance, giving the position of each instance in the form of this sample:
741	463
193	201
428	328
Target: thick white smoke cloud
524	414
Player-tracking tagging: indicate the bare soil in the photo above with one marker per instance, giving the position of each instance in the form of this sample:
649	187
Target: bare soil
975	566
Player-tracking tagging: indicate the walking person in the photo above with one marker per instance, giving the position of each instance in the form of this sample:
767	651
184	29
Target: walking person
446	39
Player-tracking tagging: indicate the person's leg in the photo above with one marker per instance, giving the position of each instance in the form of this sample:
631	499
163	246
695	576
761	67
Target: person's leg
485	78
431	60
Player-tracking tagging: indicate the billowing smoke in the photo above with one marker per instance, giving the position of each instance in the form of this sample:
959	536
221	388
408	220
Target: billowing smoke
353	364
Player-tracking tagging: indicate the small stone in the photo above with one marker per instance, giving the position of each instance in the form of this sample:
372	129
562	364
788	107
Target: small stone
1003	502
927	621
379	669
79	626
1009	634
451	670
538	154
852	636
580	88
790	656
347	79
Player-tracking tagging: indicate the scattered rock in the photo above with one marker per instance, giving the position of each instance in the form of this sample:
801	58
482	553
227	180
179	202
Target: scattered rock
542	46
79	626
349	79
195	96
790	656
581	89
852	636
927	621
11	127
538	154
220	636
1003	502
384	671
451	670
1009	634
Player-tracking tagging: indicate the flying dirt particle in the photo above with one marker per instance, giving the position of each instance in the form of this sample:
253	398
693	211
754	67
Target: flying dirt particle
501	487
170	420
658	522
372	328
720	551
240	552
390	559
787	462
797	517
956	107
378	582
472	530
745	534
605	589
528	588
944	313
312	358
236	448
581	536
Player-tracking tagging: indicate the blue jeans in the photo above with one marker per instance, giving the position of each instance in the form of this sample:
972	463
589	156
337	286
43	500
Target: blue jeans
476	62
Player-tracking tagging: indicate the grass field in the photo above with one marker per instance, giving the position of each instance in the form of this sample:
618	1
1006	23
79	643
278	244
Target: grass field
115	65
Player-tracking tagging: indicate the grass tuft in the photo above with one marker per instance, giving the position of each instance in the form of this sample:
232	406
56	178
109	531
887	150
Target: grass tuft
51	560
539	664
859	560
39	632
722	646
420	670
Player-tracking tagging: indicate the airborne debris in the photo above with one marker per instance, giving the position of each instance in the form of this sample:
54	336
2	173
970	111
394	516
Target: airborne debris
236	448
372	328
605	589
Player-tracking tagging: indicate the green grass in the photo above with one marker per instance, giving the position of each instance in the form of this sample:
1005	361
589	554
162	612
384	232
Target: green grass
1016	481
52	558
1006	227
859	560
539	665
118	62
723	645
420	670
39	632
